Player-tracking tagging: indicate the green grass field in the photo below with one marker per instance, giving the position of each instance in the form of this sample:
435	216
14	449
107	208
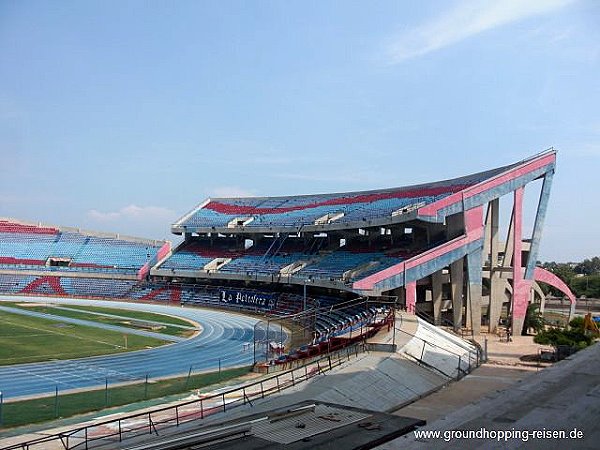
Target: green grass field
29	339
133	314
43	409
83	312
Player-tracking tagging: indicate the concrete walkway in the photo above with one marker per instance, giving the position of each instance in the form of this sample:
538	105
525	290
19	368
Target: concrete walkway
378	381
565	396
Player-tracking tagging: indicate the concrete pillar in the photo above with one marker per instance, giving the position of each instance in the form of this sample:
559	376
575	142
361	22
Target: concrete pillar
411	296
496	284
474	292
572	311
543	304
455	226
508	248
487	236
436	288
538	225
536	289
456	283
521	287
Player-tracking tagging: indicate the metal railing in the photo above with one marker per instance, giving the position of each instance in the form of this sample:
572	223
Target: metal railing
466	361
158	419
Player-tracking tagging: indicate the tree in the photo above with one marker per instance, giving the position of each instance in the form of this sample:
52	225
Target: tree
588	285
562	271
582	278
589	266
534	320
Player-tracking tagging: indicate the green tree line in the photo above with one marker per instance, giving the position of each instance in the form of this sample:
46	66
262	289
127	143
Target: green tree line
583	278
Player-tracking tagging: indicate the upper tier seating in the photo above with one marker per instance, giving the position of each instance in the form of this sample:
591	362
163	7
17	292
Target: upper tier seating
298	215
30	247
305	210
267	257
264	257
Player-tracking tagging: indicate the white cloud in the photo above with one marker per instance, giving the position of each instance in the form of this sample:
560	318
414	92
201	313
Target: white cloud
133	212
230	191
467	19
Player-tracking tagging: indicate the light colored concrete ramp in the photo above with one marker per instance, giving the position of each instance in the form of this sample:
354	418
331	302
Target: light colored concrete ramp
380	384
440	350
376	381
404	329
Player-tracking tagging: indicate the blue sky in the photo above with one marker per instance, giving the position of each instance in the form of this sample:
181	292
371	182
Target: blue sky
121	116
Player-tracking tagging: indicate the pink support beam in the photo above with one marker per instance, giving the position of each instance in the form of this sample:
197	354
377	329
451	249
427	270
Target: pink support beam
411	296
433	208
474	222
545	276
162	252
143	271
474	231
521	287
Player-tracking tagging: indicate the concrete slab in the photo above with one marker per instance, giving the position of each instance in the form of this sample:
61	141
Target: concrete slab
440	350
563	398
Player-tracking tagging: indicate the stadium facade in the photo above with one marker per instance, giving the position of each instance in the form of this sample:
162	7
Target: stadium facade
435	247
437	237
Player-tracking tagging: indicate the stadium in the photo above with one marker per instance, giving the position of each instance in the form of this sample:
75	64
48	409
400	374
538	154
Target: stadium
293	286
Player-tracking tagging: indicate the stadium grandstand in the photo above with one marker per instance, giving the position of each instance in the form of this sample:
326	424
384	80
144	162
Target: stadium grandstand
25	246
337	260
318	276
429	245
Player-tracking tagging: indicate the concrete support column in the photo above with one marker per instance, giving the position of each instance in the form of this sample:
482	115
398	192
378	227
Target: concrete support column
436	289
487	236
537	290
520	286
456	283
474	292
496	284
538	225
411	296
542	303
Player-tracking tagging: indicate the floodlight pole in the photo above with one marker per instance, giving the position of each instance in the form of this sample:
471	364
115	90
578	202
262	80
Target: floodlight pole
1	403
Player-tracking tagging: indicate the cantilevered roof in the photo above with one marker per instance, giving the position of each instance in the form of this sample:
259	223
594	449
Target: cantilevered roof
332	211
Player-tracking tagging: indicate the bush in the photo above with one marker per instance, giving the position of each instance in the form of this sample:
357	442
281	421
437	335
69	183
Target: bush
555	337
534	319
576	323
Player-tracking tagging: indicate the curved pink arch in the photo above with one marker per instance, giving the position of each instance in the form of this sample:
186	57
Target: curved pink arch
545	276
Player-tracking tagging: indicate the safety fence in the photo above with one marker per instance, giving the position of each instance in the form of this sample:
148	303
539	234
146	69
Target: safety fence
155	420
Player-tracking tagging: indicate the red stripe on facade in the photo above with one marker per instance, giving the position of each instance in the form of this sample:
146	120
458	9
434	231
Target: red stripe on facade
225	208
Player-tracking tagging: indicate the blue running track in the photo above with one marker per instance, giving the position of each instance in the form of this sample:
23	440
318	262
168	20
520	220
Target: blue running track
222	338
